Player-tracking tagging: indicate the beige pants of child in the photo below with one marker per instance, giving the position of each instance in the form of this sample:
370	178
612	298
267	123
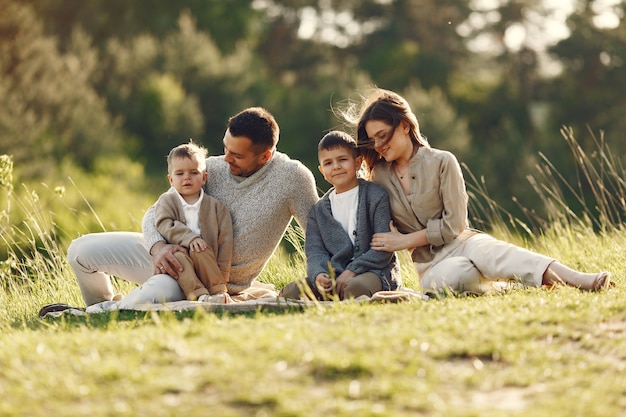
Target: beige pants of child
201	274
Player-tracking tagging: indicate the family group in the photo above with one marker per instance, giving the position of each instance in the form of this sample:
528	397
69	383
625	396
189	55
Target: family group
210	235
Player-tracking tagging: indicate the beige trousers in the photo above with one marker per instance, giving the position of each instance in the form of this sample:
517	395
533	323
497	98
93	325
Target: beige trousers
201	274
481	264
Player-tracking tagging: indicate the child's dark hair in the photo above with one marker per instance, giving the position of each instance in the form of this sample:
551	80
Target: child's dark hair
187	150
338	139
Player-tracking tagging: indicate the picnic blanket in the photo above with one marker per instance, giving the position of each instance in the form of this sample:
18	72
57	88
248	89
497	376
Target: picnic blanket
259	304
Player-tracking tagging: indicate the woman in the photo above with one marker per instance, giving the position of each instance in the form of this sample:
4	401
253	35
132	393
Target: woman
429	209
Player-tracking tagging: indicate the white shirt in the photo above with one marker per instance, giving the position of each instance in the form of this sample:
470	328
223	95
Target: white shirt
192	212
344	206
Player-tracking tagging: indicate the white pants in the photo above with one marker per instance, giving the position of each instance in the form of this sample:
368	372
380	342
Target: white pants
97	256
481	264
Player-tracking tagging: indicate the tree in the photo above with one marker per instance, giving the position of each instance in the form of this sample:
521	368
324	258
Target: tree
48	110
228	21
590	92
414	40
395	42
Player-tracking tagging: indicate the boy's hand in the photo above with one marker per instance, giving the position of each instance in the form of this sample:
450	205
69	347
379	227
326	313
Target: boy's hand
323	283
342	281
197	245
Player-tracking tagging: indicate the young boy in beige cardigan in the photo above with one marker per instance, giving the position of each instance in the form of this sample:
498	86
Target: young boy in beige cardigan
186	216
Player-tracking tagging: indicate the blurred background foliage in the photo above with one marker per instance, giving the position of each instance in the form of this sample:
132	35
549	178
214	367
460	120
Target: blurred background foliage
93	94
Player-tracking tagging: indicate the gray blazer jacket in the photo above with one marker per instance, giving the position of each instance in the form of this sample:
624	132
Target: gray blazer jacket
326	241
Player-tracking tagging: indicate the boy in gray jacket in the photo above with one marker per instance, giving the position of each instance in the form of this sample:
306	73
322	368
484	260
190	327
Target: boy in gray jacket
340	227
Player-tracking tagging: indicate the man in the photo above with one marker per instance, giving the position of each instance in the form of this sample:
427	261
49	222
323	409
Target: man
263	189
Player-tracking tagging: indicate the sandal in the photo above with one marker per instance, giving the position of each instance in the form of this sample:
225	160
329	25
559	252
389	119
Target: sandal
50	308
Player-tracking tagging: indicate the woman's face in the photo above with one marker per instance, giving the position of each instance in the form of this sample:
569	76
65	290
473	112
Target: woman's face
390	143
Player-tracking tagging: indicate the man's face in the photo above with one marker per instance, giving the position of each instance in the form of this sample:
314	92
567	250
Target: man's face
243	160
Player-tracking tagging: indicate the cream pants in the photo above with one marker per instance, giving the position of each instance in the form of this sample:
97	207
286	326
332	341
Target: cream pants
97	256
481	264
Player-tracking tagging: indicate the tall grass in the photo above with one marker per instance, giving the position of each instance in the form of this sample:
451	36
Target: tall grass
600	189
594	203
35	270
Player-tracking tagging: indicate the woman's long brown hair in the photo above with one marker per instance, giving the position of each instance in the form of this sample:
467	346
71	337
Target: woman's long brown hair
392	109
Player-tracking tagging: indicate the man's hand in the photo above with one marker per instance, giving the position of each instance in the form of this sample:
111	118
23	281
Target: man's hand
164	260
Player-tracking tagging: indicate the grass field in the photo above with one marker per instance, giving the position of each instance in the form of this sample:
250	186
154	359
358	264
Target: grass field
530	352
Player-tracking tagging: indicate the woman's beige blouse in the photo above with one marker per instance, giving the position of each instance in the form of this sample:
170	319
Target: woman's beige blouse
437	201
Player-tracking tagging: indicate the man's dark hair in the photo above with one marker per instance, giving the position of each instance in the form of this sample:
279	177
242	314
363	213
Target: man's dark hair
258	125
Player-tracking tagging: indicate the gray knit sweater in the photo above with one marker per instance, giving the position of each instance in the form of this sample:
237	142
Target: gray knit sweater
261	205
326	241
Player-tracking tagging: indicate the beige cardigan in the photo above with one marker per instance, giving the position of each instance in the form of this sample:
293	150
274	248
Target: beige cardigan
437	201
216	226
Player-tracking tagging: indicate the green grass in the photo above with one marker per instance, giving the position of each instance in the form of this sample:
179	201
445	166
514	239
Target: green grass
530	352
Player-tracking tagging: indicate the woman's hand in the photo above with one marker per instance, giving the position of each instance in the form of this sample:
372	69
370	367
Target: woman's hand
389	241
164	260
